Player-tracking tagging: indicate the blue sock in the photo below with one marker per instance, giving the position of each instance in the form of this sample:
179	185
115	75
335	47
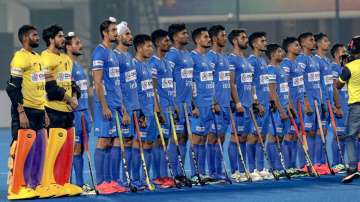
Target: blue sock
335	153
202	159
115	163
128	161
163	164
311	147
293	155
250	151
278	165
218	160
210	154
107	165
196	148
259	157
270	147
233	156
318	149
78	163
342	144
286	149
357	145
99	159
156	161
148	158
301	155
135	164
243	151
173	158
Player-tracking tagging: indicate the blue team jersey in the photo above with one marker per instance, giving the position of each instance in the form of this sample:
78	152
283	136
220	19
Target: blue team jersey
162	72
128	80
295	76
244	72
278	76
145	87
203	80
326	78
261	80
222	69
311	75
81	80
105	59
183	66
343	93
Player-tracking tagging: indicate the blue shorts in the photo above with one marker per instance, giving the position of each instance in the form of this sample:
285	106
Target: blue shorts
79	138
128	130
148	133
180	122
341	122
222	121
282	127
243	122
264	122
310	121
297	118
105	128
202	124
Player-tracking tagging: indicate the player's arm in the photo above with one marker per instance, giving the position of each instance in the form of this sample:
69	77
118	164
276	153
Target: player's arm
343	78
275	99
234	94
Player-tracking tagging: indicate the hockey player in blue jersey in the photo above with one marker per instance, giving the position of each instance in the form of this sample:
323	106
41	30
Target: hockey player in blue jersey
130	100
258	42
144	50
164	93
242	97
182	65
337	51
312	83
279	102
203	97
327	94
83	120
222	97
107	100
296	91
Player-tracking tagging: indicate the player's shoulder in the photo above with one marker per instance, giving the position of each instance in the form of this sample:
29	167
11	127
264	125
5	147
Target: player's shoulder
100	50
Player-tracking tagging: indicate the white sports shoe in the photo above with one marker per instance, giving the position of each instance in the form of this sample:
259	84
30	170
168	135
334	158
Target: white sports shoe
242	177
235	176
255	176
266	174
88	190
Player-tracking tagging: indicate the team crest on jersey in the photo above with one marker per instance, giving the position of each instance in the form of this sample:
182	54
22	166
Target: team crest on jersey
187	73
146	85
246	77
167	83
114	72
224	76
130	75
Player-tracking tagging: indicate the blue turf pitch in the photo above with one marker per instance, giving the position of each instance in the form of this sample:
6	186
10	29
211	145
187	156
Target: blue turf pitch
307	189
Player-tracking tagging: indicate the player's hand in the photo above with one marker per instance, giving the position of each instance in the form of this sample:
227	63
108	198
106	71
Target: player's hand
283	115
125	118
307	108
261	110
106	112
71	102
156	108
142	122
239	108
24	121
47	120
293	112
161	118
338	112
196	112
216	108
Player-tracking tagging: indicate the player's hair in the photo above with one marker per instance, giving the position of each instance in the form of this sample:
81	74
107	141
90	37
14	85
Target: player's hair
24	30
215	30
197	32
270	49
235	33
303	36
50	33
287	42
68	41
140	40
158	35
104	26
174	29
318	37
335	48
255	36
